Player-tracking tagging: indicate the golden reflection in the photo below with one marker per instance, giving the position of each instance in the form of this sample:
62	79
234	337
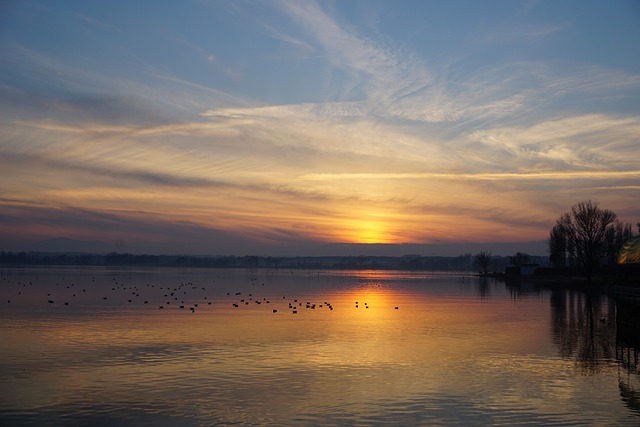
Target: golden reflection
369	297
354	347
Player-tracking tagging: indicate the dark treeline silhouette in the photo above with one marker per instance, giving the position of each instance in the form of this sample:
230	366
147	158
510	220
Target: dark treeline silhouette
587	236
408	262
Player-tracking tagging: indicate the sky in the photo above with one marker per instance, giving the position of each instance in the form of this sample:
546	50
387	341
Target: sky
298	127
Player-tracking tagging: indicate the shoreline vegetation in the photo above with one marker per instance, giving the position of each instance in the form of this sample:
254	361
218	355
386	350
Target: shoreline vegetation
501	266
463	262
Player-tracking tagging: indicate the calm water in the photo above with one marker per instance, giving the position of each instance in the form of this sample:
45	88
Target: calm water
453	352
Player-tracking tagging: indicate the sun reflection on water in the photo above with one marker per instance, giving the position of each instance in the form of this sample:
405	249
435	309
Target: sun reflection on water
363	347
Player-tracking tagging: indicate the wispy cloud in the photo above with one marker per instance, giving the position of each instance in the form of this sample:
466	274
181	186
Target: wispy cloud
530	176
397	84
149	94
386	75
514	33
287	38
593	141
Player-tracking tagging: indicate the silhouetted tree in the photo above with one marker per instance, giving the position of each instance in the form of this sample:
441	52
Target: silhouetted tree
557	244
618	235
483	258
586	228
519	259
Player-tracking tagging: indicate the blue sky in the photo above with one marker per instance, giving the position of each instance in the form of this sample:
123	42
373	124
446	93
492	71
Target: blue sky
282	126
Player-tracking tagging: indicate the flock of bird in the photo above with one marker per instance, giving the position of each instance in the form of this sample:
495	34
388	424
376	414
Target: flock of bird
184	296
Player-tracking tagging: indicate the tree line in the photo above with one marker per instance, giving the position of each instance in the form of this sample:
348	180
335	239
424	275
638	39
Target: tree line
463	262
585	237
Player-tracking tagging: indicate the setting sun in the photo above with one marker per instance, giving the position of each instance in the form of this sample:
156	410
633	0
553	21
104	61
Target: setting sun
369	228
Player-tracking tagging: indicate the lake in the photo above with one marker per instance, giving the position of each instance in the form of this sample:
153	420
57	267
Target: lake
95	346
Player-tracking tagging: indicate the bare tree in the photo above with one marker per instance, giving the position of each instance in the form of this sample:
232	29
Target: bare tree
557	244
587	230
519	259
483	258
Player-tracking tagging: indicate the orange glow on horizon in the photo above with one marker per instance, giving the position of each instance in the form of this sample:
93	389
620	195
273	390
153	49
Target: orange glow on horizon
368	231
368	228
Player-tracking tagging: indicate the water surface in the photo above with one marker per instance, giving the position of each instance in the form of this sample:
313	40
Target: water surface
91	346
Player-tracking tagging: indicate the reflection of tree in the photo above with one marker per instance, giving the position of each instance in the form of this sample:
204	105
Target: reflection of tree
628	376
483	288
518	288
629	394
628	335
628	352
589	328
583	326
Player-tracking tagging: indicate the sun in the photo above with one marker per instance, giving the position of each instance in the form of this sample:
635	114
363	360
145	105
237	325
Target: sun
368	229
372	232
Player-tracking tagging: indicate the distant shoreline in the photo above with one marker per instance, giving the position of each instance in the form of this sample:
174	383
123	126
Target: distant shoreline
463	262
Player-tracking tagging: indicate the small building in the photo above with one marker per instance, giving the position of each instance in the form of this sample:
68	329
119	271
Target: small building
528	269
629	266
630	252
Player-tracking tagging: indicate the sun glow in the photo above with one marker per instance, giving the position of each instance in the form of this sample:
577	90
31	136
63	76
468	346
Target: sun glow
370	228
